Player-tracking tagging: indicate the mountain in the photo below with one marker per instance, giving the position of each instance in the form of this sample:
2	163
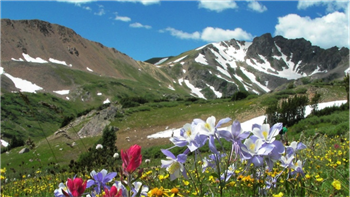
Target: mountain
220	69
54	59
37	56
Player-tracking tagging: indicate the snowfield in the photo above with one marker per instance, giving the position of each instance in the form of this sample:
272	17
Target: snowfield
247	125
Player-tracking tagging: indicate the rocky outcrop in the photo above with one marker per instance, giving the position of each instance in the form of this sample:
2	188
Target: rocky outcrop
99	121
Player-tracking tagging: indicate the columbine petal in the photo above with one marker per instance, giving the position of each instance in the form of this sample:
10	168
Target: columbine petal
168	153
222	121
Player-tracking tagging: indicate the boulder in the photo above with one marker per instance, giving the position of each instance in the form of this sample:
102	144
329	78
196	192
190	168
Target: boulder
24	150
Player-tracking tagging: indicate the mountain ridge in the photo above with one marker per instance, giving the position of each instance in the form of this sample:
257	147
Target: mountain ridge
212	71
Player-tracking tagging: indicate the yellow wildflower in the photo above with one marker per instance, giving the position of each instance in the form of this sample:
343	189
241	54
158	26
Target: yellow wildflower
336	184
319	179
278	195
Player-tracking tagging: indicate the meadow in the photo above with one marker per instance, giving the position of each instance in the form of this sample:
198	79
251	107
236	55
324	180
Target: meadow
321	168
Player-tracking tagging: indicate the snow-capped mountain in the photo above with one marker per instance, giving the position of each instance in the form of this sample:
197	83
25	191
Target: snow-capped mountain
37	56
259	66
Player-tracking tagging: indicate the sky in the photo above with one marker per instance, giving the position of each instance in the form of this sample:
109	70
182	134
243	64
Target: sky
144	29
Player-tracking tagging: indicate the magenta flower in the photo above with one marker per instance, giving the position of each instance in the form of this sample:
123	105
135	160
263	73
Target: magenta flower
132	159
76	187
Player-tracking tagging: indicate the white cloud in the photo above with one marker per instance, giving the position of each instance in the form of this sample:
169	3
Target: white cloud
327	31
122	18
139	25
217	6
87	8
211	34
182	35
76	1
332	5
101	11
144	2
256	6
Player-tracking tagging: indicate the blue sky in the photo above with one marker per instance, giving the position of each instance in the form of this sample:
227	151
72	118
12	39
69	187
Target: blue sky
144	29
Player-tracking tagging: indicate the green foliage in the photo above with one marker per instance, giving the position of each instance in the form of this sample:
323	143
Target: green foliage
346	82
289	111
97	158
239	95
67	120
314	102
128	102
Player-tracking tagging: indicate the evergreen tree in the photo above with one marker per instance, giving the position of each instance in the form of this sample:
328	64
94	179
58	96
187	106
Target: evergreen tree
288	111
314	102
346	85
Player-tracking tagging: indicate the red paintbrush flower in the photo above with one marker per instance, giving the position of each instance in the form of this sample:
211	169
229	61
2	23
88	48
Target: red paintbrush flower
132	159
113	192
76	187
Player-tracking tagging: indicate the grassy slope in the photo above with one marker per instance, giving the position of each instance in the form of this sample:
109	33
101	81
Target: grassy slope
155	115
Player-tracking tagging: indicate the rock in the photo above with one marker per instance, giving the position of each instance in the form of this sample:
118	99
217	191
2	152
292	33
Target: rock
98	122
24	150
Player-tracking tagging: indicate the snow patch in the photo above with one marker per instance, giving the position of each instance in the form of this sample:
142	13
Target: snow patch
181	58
57	61
247	125
171	87
89	69
67	97
62	92
161	61
217	93
194	91
4	143
34	60
318	70
183	70
24	85
99	94
106	101
201	59
17	60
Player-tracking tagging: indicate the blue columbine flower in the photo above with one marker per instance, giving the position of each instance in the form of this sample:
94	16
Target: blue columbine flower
236	135
174	165
100	179
189	137
294	147
266	133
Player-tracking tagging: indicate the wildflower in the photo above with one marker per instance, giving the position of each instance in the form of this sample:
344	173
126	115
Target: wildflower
99	146
174	165
100	180
3	170
336	184
189	137
236	135
298	168
228	173
266	133
254	150
158	192
132	159
76	187
116	155
278	195
208	128
320	179
119	185
287	161
113	192
294	147
138	187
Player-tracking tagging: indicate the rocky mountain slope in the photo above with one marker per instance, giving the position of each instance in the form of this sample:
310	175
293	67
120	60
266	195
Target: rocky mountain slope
49	58
55	59
220	69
